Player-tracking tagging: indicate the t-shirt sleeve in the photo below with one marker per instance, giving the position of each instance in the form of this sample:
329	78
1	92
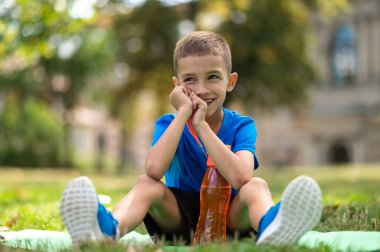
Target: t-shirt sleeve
160	126
245	139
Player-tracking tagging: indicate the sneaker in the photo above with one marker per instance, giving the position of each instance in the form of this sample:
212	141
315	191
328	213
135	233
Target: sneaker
84	217
299	211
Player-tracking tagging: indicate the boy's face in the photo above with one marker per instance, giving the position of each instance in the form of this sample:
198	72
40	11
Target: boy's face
207	77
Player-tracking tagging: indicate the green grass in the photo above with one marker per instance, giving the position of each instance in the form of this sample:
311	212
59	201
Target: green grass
29	199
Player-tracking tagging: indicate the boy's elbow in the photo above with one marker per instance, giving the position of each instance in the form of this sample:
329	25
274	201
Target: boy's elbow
151	170
241	180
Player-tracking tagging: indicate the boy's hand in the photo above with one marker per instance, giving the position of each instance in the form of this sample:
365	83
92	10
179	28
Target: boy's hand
199	109
179	98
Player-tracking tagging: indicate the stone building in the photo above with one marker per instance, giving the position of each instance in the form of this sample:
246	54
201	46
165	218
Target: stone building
341	122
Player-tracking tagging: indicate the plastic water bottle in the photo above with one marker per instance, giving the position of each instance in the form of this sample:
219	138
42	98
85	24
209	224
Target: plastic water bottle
215	196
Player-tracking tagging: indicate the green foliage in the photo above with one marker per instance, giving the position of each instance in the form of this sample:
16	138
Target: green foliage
92	59
146	38
30	135
41	44
270	52
27	27
269	42
47	55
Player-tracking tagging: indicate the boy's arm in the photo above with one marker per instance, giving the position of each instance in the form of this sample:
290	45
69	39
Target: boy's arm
162	153
237	167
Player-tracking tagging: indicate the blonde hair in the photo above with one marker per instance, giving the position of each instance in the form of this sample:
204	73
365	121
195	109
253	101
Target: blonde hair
201	43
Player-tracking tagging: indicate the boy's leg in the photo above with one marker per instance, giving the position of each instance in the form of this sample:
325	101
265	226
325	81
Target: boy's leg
148	195
252	201
82	213
298	212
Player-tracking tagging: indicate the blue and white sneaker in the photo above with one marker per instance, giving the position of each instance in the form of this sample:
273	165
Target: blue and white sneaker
85	218
299	211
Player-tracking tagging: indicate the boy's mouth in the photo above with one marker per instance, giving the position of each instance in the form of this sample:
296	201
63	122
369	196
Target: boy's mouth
209	101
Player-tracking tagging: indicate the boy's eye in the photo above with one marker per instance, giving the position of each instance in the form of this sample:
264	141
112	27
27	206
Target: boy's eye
188	80
213	77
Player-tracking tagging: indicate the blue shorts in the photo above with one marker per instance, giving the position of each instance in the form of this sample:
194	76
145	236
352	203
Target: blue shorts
189	205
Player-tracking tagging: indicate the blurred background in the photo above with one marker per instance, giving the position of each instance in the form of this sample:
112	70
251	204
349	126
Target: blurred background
83	81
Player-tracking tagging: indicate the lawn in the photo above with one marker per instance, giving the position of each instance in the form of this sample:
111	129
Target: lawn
29	199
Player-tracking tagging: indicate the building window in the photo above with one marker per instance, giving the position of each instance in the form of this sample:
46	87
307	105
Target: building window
343	56
339	154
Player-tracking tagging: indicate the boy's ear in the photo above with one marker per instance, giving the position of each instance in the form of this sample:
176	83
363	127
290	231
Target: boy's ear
232	81
175	81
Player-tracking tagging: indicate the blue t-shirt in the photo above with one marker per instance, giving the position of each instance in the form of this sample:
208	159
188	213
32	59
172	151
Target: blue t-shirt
188	166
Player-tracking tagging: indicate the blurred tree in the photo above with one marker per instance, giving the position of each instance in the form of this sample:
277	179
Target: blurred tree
30	135
48	54
146	39
269	42
44	50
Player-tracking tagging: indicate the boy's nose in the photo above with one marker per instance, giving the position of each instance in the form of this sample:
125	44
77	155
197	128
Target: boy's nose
201	89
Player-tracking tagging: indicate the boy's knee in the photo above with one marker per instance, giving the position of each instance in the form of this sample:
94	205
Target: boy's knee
148	181
258	182
255	184
148	184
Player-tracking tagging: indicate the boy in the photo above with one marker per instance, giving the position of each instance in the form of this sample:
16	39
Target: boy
202	64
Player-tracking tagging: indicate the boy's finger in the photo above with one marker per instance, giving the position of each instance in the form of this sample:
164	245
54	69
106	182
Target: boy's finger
186	91
181	88
194	101
199	103
192	96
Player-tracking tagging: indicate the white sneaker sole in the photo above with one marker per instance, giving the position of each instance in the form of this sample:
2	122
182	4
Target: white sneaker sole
78	210
300	211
